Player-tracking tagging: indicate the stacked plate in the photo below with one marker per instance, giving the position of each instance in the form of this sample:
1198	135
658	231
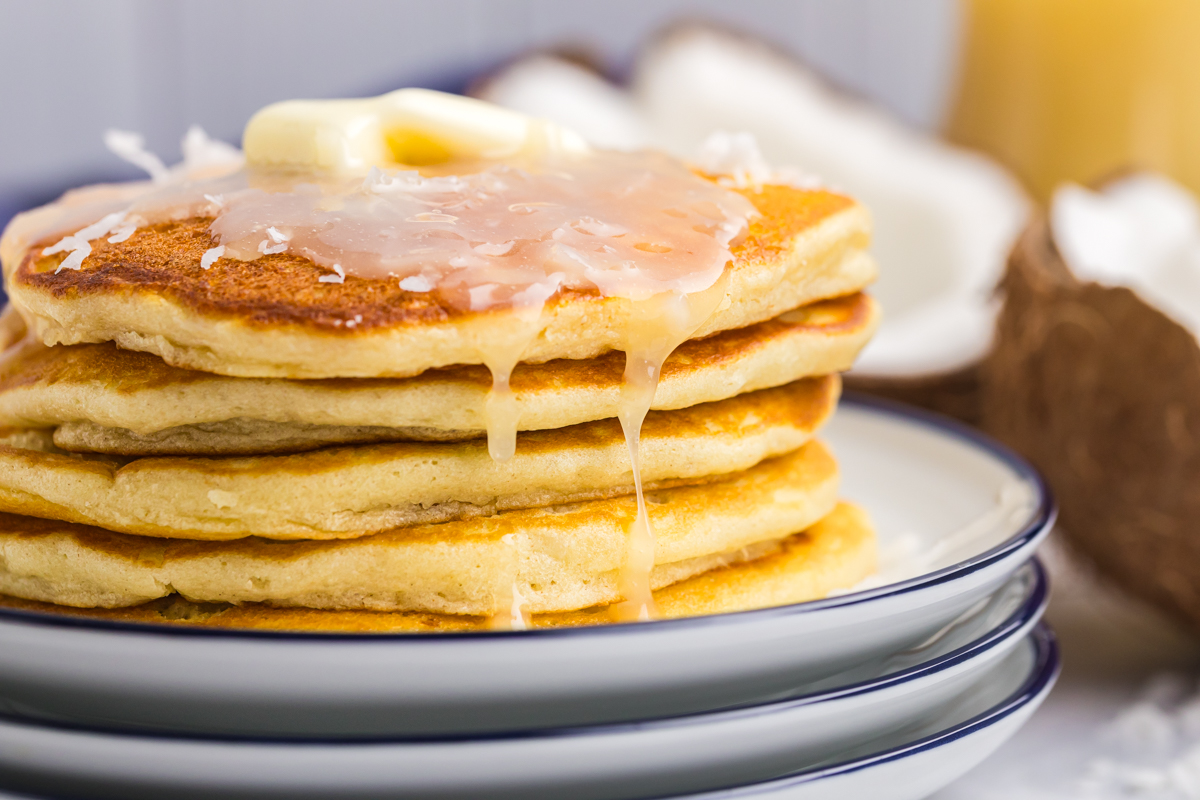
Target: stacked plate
889	691
256	544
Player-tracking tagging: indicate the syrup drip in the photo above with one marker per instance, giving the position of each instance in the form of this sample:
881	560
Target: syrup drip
512	615
500	349
502	413
656	326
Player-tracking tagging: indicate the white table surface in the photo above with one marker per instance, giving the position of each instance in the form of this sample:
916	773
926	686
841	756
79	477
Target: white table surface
1116	651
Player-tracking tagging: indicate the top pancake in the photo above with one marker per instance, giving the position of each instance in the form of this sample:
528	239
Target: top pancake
272	318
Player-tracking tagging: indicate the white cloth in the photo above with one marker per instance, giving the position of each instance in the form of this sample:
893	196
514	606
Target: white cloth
1124	719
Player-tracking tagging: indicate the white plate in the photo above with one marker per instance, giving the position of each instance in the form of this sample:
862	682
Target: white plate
954	509
626	760
934	755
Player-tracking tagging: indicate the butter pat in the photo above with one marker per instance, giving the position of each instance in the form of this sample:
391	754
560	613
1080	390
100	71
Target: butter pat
413	127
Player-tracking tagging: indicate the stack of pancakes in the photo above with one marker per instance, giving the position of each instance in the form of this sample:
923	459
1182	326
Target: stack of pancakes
176	455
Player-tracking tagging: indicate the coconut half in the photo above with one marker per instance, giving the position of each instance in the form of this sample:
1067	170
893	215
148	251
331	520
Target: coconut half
572	95
1095	376
944	218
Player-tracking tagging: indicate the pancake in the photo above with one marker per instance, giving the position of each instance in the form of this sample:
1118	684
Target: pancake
348	492
558	559
273	318
836	553
102	399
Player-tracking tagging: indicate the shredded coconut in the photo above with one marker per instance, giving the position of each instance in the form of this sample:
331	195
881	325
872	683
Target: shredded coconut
93	231
735	157
489	249
78	244
203	159
739	163
210	256
416	283
202	156
482	296
1153	746
412	182
340	277
201	152
122	233
276	242
131	147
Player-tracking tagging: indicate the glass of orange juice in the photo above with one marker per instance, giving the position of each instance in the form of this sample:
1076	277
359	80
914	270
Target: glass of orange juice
1079	89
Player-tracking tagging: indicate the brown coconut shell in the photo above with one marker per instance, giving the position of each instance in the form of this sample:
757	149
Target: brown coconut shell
957	393
1102	392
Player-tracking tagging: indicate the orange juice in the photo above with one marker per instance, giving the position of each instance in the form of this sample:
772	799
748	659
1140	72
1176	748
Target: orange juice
1077	89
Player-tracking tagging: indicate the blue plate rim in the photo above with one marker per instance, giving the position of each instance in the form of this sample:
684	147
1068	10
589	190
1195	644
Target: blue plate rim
1029	611
1041	679
1041	520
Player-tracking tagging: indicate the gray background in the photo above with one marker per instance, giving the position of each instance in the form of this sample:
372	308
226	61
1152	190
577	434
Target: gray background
76	67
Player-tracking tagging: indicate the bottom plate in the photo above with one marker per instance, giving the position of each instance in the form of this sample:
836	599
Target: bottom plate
598	763
934	755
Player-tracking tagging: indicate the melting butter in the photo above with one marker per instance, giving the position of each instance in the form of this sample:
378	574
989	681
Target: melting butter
407	126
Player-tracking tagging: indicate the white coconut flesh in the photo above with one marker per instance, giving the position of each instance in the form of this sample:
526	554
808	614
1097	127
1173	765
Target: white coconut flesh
944	218
1141	232
573	96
